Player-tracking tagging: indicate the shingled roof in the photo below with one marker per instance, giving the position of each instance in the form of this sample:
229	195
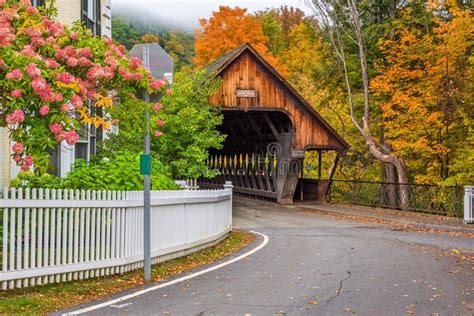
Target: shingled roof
220	64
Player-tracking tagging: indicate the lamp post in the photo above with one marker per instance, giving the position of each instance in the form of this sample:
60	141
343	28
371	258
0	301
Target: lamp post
159	63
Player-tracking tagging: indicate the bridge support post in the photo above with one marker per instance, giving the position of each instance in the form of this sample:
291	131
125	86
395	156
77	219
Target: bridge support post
287	171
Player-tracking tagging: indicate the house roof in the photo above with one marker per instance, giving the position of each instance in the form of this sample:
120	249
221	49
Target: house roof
220	64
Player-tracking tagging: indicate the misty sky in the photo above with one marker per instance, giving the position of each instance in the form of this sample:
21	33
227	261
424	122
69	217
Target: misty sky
186	13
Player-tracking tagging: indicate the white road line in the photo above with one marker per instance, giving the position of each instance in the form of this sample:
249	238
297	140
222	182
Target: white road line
160	286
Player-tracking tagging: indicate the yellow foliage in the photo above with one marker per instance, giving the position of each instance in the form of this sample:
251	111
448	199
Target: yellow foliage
423	82
96	120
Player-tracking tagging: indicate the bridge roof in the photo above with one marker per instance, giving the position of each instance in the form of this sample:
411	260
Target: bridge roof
219	66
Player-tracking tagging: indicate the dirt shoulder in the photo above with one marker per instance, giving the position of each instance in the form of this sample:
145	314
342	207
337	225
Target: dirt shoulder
397	220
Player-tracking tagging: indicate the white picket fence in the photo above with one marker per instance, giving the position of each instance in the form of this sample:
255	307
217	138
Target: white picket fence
62	235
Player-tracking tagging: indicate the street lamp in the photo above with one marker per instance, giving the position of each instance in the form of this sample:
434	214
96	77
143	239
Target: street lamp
160	64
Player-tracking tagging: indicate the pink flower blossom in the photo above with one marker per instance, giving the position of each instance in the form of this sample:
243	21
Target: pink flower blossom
42	89
65	77
112	62
17	148
37	42
29	51
56	29
38	84
71	137
85	52
47	95
157	84
58	97
25	3
16	93
15	74
56	128
91	94
84	62
72	62
32	70
2	2
17	159
74	36
137	76
128	76
16	116
33	31
157	133
76	101
66	52
122	71
169	91
160	122
109	72
60	137
28	160
51	40
64	108
156	107
135	62
9	119
31	10
95	73
44	110
27	163
51	63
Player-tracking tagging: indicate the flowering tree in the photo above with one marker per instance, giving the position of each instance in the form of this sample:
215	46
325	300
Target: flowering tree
52	75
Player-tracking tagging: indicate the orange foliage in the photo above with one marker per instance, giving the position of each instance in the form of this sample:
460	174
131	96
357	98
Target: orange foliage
423	84
227	29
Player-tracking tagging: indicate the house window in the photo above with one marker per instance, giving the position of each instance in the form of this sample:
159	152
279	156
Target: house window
37	3
91	14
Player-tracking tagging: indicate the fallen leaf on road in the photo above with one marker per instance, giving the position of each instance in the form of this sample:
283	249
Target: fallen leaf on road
313	303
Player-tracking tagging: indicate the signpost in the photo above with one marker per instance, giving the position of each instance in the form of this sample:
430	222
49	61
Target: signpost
150	54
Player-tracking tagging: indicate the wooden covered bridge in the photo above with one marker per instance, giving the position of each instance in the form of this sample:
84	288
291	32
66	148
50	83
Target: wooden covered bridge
269	126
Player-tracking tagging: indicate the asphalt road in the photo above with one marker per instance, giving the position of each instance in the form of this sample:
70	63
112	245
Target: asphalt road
315	265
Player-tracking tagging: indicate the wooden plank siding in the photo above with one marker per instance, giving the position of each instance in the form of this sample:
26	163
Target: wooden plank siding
248	71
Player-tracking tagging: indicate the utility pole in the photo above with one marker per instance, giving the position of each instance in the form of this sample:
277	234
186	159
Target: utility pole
160	65
146	180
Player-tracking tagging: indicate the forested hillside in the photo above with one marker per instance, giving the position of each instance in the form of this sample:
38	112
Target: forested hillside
411	97
179	44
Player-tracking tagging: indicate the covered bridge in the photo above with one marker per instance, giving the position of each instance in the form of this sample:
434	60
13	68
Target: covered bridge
269	126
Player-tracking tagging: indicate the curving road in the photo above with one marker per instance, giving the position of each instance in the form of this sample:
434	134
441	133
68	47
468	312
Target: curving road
314	265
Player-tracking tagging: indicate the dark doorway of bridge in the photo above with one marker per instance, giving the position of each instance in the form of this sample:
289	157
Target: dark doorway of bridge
258	157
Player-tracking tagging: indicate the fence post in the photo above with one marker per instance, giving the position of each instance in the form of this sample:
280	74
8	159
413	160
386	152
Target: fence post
228	186
468	204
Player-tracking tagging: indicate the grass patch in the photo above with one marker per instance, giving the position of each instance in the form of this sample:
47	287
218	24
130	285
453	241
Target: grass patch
53	297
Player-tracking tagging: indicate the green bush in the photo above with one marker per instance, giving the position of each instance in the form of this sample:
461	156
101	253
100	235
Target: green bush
120	172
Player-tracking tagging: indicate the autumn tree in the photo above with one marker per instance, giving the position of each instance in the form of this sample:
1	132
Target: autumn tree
424	83
278	23
149	38
227	29
343	19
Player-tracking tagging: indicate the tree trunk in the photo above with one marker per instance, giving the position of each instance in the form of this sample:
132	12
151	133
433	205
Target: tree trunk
328	11
376	150
389	175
